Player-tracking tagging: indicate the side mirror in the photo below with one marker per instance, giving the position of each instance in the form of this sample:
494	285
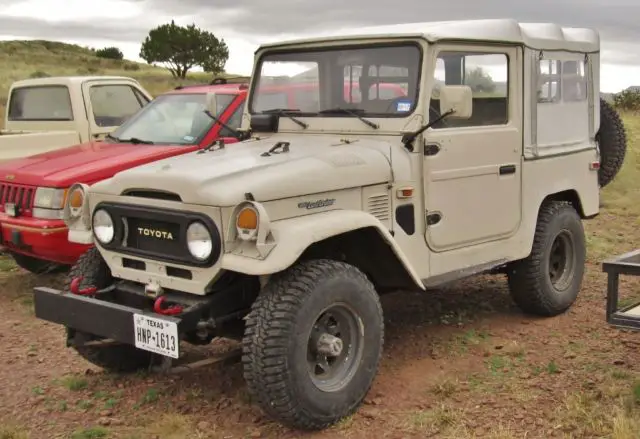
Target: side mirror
212	103
456	98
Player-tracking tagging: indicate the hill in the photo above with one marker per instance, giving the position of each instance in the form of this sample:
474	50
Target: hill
38	58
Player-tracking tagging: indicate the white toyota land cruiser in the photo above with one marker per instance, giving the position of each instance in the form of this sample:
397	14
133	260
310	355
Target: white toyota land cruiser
392	158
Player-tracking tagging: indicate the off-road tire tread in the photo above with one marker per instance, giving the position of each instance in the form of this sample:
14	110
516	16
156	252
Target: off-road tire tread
114	358
524	276
267	329
613	143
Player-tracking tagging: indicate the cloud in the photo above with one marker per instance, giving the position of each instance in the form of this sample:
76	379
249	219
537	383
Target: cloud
248	23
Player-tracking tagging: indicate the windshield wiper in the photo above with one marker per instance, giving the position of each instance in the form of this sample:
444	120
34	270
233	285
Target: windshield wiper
136	141
285	112
354	112
236	133
132	140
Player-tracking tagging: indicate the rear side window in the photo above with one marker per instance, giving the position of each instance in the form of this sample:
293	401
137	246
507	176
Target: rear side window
41	103
113	104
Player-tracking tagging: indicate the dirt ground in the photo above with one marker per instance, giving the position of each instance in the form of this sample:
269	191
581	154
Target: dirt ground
462	362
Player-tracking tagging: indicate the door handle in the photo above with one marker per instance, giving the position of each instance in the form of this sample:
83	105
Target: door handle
507	169
431	149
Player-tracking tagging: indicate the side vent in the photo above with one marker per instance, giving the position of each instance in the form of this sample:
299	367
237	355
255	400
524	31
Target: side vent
378	206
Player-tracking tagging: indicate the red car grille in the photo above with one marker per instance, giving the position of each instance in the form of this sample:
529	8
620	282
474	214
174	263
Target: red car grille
22	196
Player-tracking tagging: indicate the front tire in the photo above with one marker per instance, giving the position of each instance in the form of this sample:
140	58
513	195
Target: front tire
312	343
548	281
111	357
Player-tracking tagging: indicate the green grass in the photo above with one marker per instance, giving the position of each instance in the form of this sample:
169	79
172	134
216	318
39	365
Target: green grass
29	59
619	202
90	433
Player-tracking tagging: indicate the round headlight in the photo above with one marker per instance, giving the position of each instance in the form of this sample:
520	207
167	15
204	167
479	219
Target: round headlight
103	226
199	241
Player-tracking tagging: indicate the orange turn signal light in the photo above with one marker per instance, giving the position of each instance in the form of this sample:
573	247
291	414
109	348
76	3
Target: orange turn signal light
247	219
76	198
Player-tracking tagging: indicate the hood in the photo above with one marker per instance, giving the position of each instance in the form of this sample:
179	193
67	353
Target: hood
313	164
86	163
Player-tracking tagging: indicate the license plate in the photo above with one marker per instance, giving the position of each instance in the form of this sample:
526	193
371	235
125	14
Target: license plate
156	335
10	209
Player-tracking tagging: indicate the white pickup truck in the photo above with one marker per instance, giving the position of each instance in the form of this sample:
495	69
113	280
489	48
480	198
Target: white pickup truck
45	114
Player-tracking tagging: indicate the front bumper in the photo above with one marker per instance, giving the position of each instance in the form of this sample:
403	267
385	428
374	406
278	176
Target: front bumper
42	239
115	321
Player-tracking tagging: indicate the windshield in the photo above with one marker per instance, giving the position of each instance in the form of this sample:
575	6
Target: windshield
175	119
316	82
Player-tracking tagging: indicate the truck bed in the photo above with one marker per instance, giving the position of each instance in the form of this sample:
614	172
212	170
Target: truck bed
15	145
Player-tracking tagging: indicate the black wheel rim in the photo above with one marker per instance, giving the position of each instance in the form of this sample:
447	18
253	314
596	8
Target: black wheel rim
562	261
334	347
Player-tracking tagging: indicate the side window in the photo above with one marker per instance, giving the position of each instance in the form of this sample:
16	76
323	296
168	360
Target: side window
113	104
46	103
549	76
574	81
488	76
562	81
234	121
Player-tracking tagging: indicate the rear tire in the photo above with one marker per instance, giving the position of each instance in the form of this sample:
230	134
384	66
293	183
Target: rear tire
294	366
548	281
112	357
612	140
37	266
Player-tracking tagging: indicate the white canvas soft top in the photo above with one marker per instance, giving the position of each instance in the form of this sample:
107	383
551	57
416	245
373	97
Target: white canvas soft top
541	36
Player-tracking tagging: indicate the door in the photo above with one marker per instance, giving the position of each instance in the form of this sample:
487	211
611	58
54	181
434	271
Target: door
472	167
110	104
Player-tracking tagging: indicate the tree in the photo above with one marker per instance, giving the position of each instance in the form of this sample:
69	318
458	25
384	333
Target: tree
181	48
109	53
479	81
628	99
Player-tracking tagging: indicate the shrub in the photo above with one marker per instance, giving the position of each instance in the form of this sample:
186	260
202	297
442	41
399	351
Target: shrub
109	53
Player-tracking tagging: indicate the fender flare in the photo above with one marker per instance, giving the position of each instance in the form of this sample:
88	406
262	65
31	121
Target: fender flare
294	235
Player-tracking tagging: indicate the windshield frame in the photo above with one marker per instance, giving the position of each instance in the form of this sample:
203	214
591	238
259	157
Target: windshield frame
133	119
334	48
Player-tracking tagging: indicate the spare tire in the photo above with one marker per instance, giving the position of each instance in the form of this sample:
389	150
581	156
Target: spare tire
612	141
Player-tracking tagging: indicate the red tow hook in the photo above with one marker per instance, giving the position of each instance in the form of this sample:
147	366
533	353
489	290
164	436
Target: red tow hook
170	311
75	287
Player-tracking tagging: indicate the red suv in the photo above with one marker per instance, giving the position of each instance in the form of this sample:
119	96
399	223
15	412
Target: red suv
33	189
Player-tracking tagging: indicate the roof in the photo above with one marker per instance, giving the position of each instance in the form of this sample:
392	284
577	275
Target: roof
69	80
205	88
542	36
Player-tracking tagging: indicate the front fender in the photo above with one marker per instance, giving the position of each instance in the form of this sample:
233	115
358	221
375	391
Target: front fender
294	235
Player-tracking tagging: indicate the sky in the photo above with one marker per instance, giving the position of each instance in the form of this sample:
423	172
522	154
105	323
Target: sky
245	24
